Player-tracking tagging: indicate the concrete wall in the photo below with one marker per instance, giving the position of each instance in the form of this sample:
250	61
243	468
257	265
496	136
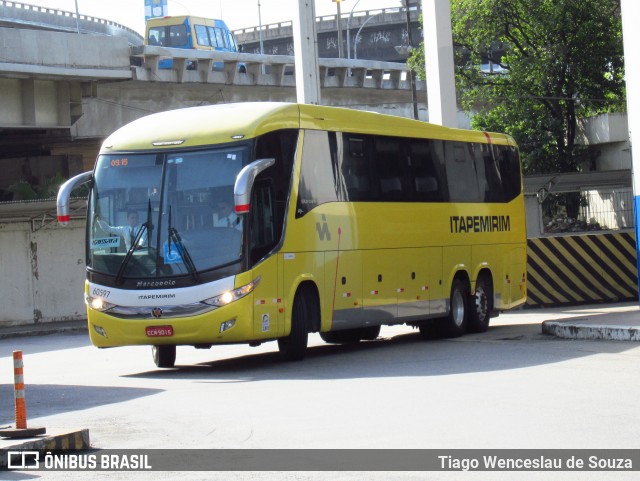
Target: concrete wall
43	272
62	50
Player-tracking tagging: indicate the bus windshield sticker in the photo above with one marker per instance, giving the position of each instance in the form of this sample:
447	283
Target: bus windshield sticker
105	242
172	253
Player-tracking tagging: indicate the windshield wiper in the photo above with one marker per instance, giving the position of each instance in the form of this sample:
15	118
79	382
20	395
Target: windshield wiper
132	248
174	237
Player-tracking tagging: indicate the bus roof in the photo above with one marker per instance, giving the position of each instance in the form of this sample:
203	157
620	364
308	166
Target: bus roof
179	19
222	123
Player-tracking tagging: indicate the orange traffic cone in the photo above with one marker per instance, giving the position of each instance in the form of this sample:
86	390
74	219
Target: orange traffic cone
21	430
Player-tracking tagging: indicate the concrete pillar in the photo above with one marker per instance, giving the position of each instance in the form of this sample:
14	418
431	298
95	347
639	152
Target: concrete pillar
631	39
28	89
438	53
306	53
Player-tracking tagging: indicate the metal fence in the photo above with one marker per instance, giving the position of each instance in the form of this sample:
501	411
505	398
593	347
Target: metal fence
588	211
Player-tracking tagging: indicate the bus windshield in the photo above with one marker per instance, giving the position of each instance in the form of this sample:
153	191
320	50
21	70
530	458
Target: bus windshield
161	215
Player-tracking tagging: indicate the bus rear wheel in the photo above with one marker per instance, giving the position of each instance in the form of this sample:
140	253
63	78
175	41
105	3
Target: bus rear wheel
303	315
164	356
455	324
482	305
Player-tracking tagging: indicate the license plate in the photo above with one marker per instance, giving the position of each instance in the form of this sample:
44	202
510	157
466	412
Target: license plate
159	331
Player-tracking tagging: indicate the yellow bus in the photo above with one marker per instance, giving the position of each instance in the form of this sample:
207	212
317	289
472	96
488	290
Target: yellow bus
270	221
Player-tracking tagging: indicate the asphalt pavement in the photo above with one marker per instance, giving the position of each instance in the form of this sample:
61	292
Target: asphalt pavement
606	322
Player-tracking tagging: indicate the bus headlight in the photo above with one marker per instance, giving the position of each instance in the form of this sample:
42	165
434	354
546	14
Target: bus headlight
231	296
98	303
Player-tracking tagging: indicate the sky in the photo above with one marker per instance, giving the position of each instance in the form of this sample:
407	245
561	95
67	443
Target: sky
237	14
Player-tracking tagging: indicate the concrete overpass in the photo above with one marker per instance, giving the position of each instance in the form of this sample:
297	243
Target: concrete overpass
62	93
368	34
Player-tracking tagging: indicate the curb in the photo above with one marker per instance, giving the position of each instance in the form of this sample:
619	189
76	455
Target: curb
42	329
575	329
72	440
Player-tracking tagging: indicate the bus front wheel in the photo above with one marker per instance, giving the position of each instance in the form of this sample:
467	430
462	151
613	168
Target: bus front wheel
455	324
164	356
303	314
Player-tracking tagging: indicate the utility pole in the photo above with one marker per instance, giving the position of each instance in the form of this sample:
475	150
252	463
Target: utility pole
438	53
630	9
412	74
339	28
306	53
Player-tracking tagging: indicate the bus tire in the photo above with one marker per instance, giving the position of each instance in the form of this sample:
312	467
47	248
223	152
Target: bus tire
455	324
481	305
164	356
303	314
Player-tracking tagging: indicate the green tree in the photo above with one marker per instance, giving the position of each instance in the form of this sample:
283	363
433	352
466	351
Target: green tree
556	61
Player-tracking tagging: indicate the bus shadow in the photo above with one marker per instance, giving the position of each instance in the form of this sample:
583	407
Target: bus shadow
500	348
49	399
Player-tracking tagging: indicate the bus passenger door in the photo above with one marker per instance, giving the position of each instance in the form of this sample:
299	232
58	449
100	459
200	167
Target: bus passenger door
267	315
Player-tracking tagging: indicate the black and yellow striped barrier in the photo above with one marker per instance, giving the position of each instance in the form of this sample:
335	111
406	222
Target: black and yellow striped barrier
582	269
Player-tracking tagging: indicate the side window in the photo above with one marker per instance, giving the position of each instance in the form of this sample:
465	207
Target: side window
491	180
212	36
263	235
220	40
476	157
427	172
318	183
156	36
461	173
271	191
202	37
357	168
231	41
509	166
390	162
178	36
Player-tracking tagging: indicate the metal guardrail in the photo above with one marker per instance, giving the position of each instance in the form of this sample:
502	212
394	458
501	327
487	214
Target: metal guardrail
329	20
234	68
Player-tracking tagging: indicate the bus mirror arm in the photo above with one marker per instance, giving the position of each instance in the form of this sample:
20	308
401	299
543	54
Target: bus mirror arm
244	183
62	202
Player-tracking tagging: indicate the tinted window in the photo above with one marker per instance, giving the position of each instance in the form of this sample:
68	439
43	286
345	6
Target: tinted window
177	36
461	172
390	165
509	167
271	193
427	172
357	168
489	176
318	183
